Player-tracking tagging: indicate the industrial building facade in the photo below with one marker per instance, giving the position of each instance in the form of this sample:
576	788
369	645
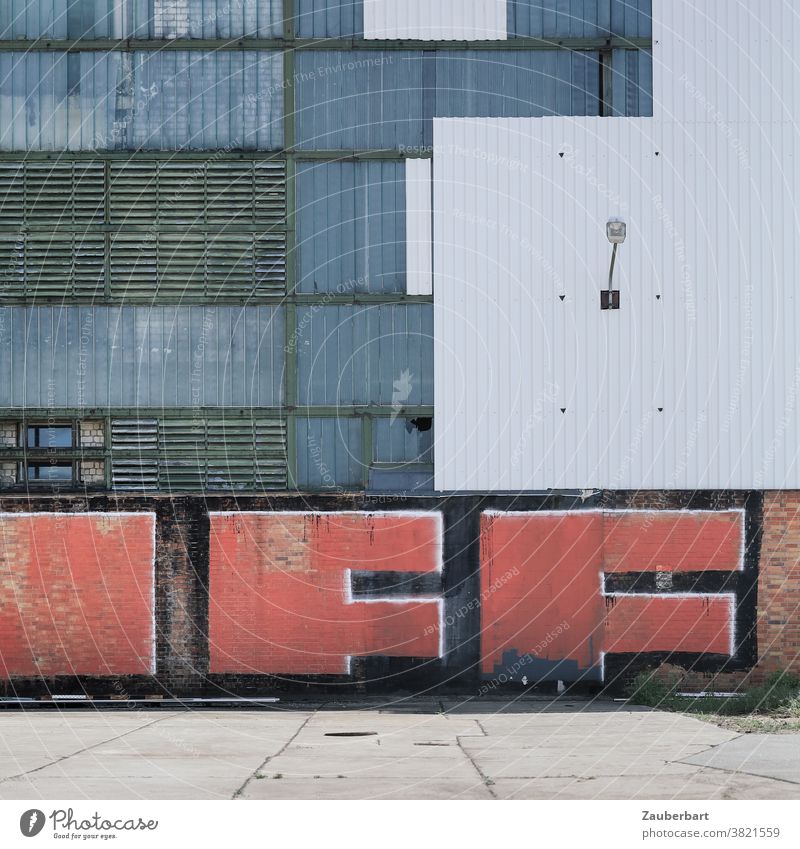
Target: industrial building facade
234	449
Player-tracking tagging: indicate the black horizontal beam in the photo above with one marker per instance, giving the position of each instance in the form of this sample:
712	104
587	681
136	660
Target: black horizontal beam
73	45
213	156
265	299
143	155
84	229
342	411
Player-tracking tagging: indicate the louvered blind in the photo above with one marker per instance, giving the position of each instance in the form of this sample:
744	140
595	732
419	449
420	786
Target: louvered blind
63	193
192	263
198	454
177	228
198	193
52	265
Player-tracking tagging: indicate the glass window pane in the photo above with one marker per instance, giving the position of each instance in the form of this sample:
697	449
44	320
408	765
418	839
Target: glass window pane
49	436
50	471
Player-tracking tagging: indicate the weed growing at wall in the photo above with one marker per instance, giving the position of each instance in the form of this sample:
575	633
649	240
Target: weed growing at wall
778	696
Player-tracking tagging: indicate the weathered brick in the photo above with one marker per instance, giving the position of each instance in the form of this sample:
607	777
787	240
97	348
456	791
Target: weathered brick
76	594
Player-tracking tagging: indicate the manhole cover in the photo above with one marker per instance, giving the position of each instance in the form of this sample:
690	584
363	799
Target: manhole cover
350	733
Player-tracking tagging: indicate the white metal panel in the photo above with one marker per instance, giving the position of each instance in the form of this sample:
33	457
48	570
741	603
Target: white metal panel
419	248
694	383
460	20
718	61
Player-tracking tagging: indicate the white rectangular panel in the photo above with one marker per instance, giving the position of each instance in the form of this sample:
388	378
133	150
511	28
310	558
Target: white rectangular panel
441	20
693	383
722	62
419	249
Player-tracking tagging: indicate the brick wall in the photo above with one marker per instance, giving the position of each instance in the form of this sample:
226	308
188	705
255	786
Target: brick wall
295	594
556	618
281	596
779	583
92	435
778	607
92	472
76	594
8	439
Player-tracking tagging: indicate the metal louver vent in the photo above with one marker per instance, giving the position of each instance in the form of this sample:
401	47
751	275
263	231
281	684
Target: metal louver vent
61	193
134	434
134	463
186	228
197	193
197	264
199	454
56	264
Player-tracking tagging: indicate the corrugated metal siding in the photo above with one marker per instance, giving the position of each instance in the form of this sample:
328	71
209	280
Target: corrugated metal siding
634	18
396	440
511	84
519	18
461	20
351	227
329	18
54	101
23	19
632	83
365	354
140	356
204	100
579	18
693	383
359	99
743	70
399	480
159	101
330	453
385	100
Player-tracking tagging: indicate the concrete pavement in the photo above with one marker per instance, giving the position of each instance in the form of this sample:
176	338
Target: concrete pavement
416	748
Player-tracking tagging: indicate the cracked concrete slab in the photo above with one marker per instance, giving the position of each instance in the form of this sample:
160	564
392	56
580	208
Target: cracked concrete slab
767	755
410	749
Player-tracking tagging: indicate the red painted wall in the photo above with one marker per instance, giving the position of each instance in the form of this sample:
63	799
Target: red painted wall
76	594
279	590
541	582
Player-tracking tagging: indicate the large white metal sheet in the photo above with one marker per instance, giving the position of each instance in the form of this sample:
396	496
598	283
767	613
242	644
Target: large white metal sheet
440	20
694	383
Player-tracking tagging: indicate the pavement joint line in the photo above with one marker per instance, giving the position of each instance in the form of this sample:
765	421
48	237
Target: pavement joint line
487	782
85	749
238	793
739	772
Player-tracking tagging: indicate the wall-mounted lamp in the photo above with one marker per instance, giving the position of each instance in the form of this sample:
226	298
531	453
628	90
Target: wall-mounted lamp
616	231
